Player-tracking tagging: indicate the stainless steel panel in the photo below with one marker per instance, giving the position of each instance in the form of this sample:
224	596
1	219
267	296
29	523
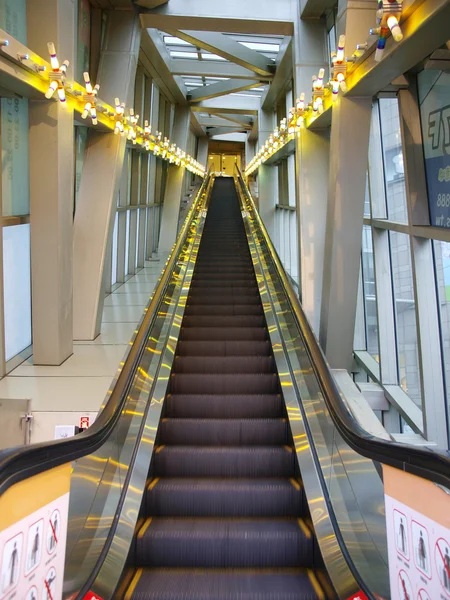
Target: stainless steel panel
101	497
351	482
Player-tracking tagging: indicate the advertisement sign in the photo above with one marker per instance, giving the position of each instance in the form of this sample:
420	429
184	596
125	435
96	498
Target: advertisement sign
418	532
434	89
33	530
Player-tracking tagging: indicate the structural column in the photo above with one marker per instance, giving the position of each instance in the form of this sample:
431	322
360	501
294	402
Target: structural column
311	168
202	151
102	169
267	174
51	192
347	185
174	183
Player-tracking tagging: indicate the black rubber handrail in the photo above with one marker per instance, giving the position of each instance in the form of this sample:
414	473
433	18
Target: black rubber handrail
21	462
433	465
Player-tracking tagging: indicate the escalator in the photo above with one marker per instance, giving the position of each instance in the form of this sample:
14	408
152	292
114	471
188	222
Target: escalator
225	513
224	464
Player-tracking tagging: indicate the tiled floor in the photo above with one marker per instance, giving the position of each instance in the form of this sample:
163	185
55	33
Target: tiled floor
60	395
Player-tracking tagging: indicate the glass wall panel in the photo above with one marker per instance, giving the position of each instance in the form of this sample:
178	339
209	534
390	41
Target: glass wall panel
127	242
434	91
138	217
15	170
442	265
81	134
17	288
370	300
393	160
83	39
405	316
13	18
114	250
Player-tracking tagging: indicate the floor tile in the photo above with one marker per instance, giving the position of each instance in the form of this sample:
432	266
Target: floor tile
122	314
130	299
58	393
86	361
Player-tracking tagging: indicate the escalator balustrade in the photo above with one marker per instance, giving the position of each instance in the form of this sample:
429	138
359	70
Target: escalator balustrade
224	513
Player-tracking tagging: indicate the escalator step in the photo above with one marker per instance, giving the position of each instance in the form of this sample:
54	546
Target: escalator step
226	348
247	334
223	364
224	498
223	310
239	406
221	282
236	383
211	461
223	584
217	543
224	291
223	432
224	321
235	299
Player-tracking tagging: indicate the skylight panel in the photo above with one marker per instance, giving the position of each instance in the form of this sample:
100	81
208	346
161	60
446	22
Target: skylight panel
262	47
176	54
171	40
212	57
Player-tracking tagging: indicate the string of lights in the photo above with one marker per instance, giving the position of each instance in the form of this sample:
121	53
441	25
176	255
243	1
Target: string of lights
387	18
52	80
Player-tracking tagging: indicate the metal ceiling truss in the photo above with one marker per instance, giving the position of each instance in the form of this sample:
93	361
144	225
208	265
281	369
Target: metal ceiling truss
227	48
221	88
192	68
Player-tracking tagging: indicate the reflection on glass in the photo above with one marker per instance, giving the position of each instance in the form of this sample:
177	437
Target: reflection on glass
442	266
405	316
370	300
127	242
137	237
367	198
393	159
17	289
114	250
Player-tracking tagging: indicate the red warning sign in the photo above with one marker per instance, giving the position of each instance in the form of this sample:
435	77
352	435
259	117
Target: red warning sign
358	596
85	422
91	596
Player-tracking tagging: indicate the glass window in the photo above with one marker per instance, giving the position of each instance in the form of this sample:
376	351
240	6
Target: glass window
434	90
393	159
367	198
17	289
138	218
15	170
127	242
442	265
370	299
84	38
13	18
114	250
405	316
81	134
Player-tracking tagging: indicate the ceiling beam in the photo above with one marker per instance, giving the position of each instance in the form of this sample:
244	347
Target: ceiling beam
212	110
255	16
226	47
221	88
314	9
208	68
283	75
196	126
240	105
216	121
241	121
156	61
220	130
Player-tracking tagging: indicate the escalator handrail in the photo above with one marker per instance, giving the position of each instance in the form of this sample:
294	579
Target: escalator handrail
433	465
21	462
